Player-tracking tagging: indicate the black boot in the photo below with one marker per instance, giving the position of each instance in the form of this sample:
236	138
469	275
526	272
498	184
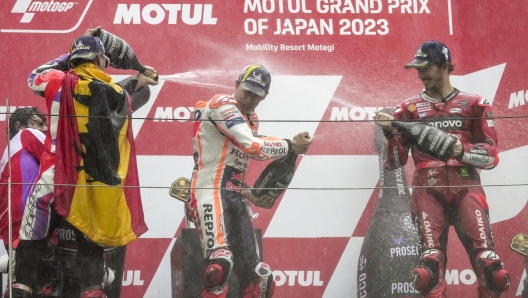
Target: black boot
19	291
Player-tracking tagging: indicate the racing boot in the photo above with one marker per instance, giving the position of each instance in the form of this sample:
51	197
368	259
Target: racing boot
213	277
263	285
93	292
491	276
53	288
428	277
19	291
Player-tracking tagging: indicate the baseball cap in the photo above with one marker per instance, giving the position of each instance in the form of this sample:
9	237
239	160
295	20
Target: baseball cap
256	79
428	53
86	47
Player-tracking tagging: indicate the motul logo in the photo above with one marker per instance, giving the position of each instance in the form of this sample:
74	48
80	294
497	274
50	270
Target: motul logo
28	8
189	14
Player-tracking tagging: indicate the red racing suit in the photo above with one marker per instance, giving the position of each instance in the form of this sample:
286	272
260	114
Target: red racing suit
25	152
449	193
224	141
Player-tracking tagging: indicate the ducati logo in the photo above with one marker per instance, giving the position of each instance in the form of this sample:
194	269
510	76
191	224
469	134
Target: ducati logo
432	172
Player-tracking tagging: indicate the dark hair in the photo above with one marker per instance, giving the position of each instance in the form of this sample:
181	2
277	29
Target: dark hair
450	67
24	116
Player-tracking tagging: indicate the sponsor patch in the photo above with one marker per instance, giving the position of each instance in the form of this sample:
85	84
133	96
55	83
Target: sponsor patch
455	110
463	103
464	172
431	181
229	112
479	151
424	109
489	115
234	121
483	102
491	123
411	108
423	104
422	114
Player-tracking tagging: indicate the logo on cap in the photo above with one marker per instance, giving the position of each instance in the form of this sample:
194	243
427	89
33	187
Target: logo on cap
79	46
256	79
445	51
428	53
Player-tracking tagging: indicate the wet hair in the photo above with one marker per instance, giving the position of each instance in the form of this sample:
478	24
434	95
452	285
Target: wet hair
24	117
450	67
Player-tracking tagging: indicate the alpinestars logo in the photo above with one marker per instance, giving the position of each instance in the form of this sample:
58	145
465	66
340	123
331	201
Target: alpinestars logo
34	12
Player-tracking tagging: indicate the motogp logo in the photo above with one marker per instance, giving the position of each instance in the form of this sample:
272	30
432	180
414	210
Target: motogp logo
30	16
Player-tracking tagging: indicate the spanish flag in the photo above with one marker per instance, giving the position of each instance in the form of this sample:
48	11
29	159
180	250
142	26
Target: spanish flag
96	179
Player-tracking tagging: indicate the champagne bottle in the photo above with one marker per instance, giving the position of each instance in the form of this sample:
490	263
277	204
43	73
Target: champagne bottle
390	248
276	177
426	139
120	53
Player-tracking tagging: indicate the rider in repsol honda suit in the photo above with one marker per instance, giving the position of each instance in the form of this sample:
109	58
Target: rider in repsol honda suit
225	137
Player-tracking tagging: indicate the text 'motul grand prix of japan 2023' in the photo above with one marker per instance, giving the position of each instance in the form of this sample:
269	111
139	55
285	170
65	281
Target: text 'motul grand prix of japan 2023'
334	63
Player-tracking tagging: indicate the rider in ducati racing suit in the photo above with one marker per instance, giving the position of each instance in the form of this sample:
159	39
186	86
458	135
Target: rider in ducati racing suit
225	138
462	204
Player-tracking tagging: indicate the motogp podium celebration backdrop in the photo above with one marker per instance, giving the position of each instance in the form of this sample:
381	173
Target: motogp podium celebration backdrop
333	63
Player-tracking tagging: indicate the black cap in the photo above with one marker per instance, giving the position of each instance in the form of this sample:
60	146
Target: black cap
86	47
428	53
256	79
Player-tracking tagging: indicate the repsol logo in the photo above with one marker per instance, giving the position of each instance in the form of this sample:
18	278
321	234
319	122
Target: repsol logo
447	124
154	14
273	151
209	226
292	278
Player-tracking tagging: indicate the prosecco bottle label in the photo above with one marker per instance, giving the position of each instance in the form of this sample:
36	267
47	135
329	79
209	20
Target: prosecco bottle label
426	139
120	53
276	177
